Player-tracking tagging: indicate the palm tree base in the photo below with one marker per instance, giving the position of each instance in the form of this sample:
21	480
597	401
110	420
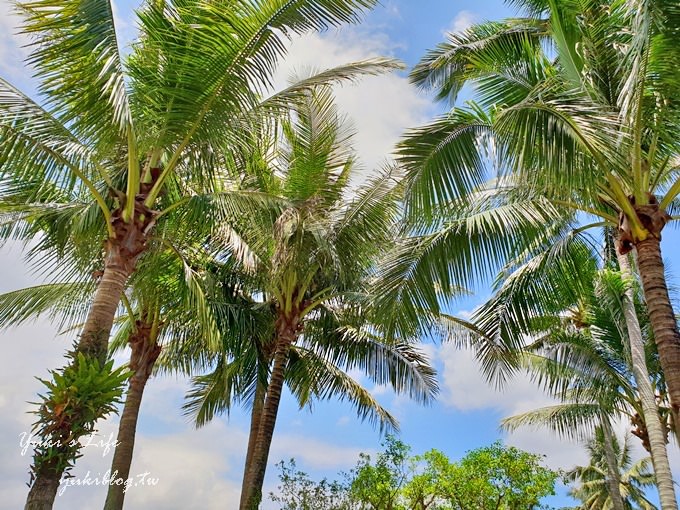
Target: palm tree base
44	490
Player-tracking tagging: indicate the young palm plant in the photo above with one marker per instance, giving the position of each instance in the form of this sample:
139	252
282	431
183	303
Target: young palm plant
116	133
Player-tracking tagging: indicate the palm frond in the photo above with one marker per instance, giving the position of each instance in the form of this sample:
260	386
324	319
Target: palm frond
76	54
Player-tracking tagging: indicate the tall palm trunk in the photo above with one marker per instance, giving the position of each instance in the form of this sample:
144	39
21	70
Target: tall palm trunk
123	252
255	418
251	492
145	351
93	343
662	318
657	437
613	474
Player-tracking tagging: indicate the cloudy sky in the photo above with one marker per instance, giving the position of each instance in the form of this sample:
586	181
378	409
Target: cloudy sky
202	469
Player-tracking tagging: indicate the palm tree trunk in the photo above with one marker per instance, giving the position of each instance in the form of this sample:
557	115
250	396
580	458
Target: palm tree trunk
145	351
613	474
93	343
251	493
657	437
94	338
662	318
44	488
255	418
122	254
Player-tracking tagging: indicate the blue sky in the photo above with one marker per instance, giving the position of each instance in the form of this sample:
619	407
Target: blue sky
202	469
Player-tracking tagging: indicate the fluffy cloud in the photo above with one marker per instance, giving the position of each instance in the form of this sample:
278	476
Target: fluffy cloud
379	107
465	389
461	22
312	452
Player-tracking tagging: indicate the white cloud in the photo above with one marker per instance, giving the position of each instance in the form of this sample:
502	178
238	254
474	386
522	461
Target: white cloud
379	107
560	453
311	452
461	22
13	49
392	9
465	388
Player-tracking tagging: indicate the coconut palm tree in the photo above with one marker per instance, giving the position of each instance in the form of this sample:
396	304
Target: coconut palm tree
575	104
592	489
116	134
317	369
313	261
555	292
584	360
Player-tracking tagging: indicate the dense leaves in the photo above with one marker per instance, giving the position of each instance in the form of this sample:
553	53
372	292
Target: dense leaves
495	477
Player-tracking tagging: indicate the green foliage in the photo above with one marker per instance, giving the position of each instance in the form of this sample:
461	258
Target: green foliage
379	485
298	492
79	395
495	477
498	477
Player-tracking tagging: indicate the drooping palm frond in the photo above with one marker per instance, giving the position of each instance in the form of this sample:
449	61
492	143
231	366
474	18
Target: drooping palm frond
550	278
214	393
311	376
399	364
37	147
58	302
233	52
300	86
573	421
445	160
419	275
446	69
77	58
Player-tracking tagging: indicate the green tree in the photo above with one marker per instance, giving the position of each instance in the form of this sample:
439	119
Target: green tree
497	477
378	486
116	134
311	262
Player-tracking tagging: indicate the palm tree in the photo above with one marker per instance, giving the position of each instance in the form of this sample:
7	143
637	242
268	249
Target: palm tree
592	129
316	263
593	491
550	277
129	130
313	261
583	359
166	315
164	305
316	370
